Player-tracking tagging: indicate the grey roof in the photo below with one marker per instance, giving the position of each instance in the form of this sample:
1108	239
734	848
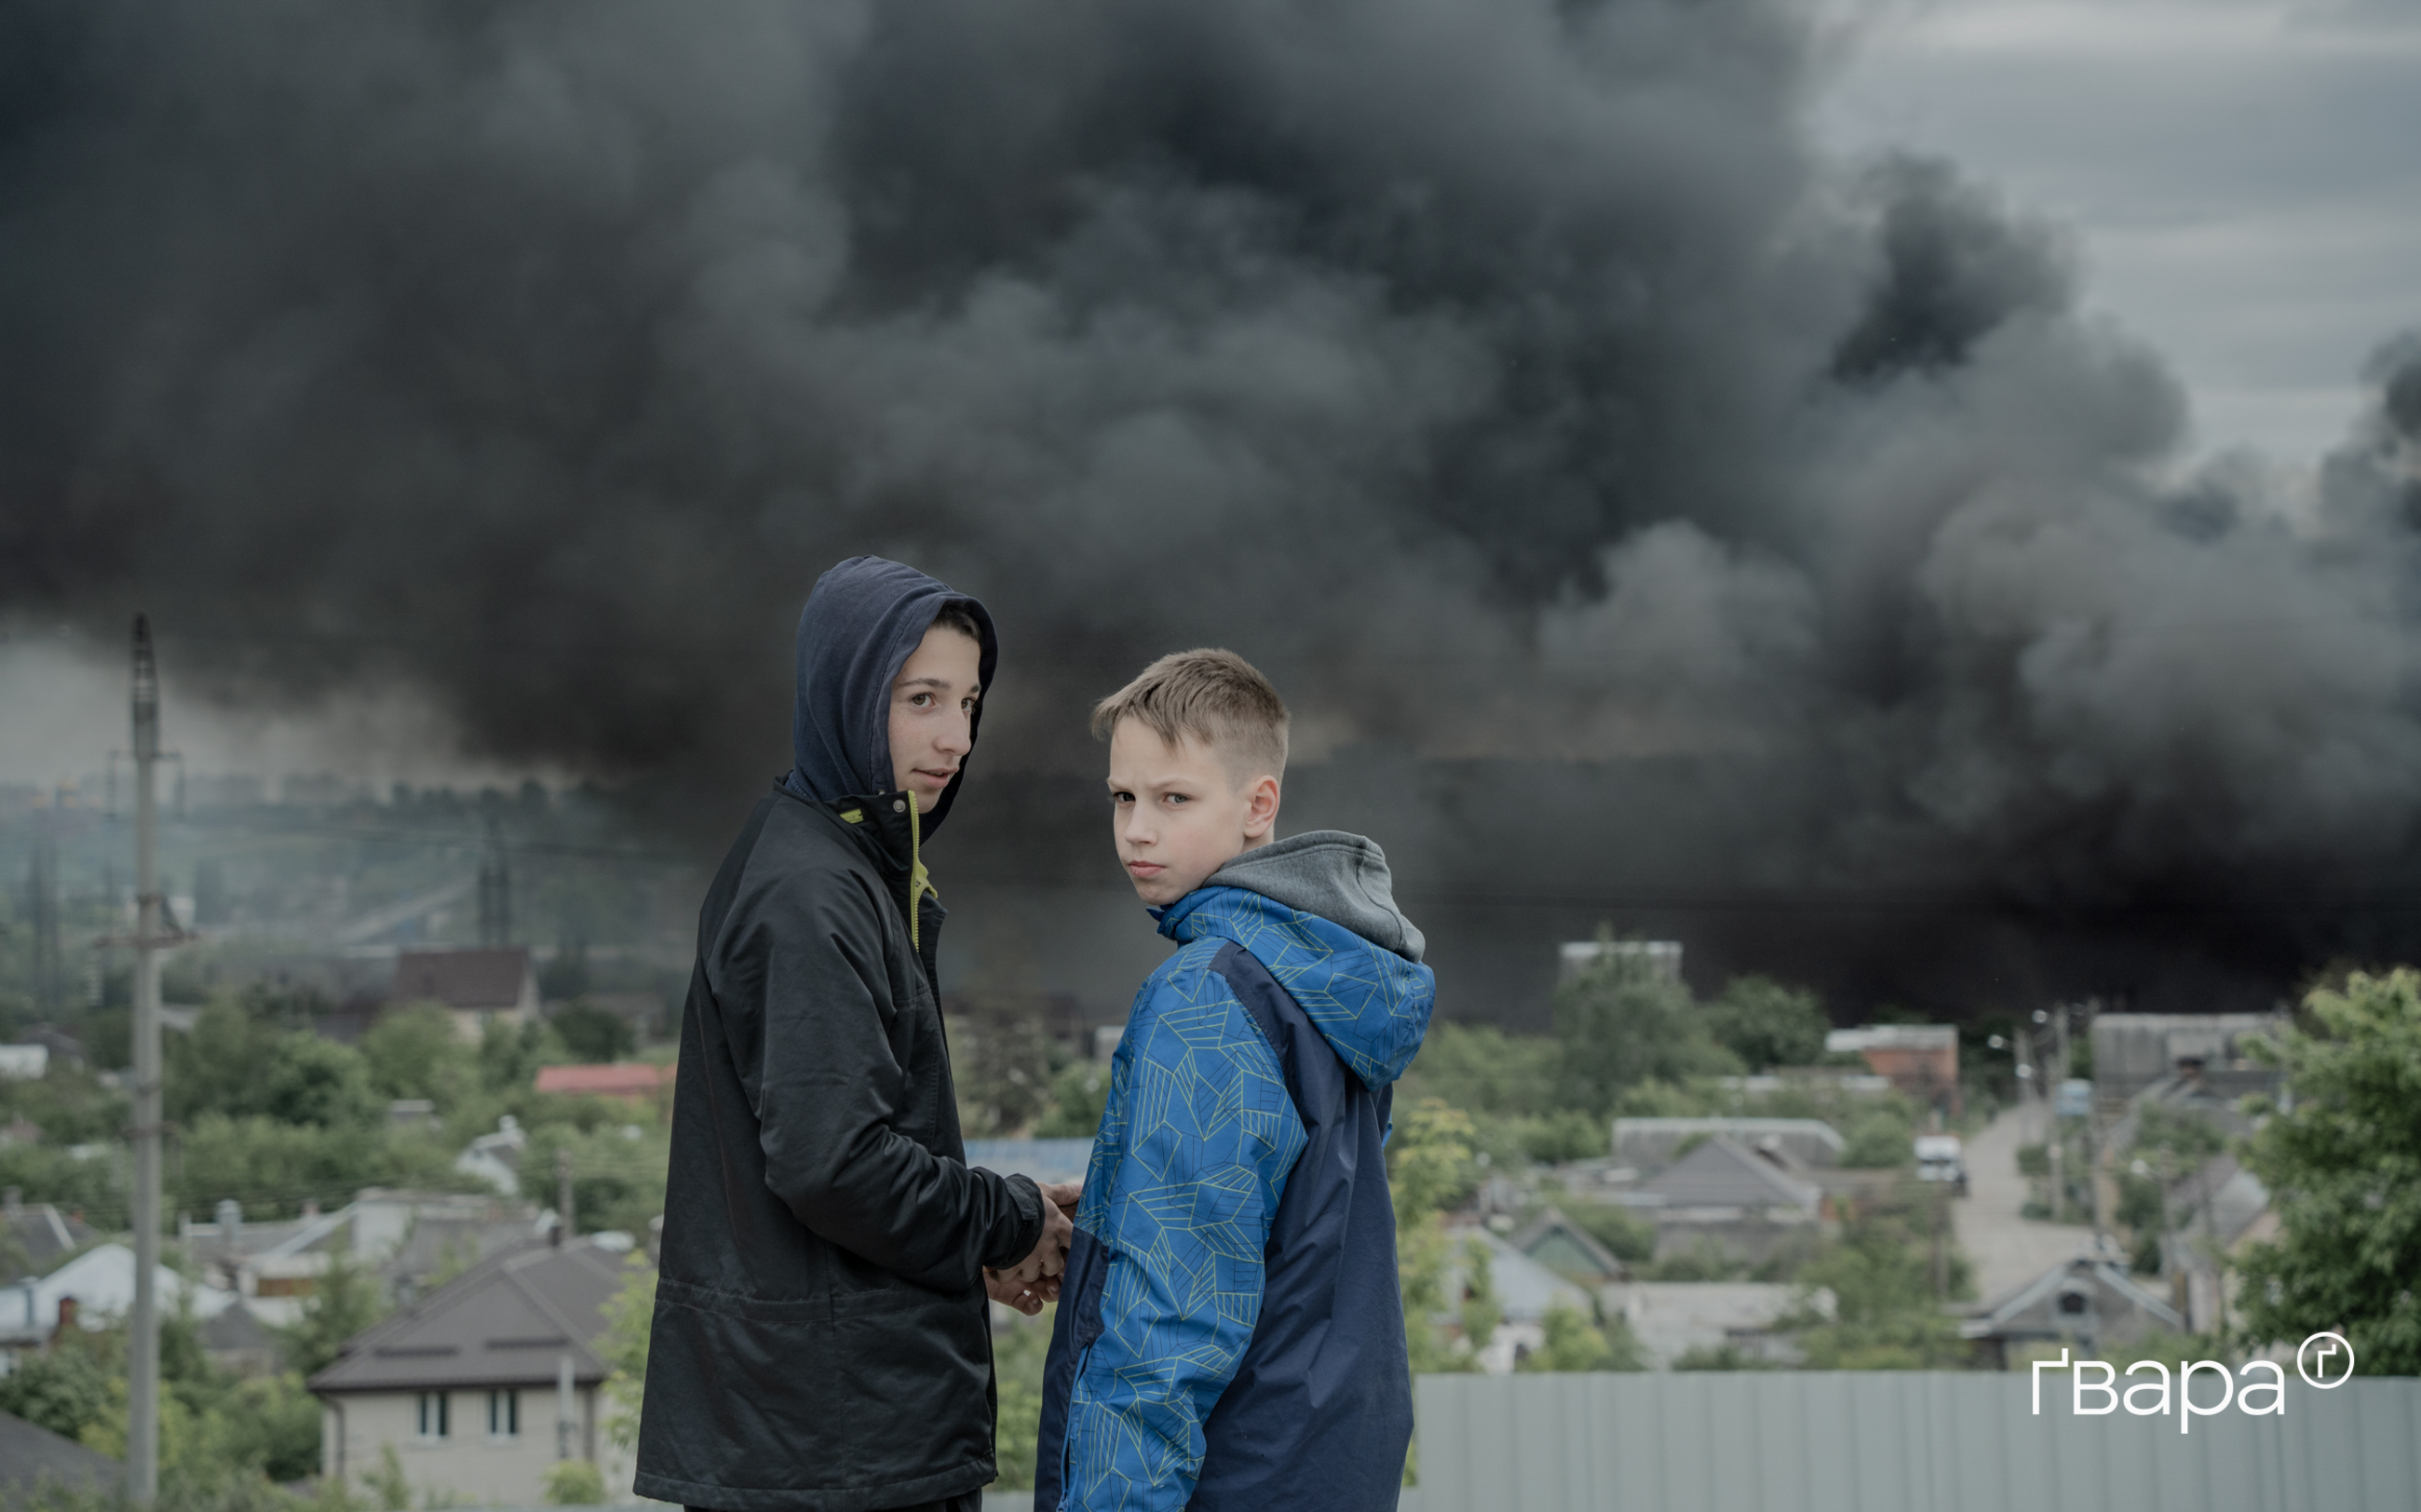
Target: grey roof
2031	1309
441	1241
1525	1290
502	1323
1722	1174
1554	1227
44	1234
30	1455
461	978
2222	1196
1649	1142
237	1331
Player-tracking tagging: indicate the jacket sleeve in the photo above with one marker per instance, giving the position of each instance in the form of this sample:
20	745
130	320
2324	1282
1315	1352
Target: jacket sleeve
1207	1135
825	1085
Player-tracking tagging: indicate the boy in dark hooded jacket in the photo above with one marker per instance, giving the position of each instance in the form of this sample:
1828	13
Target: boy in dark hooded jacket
822	1341
1229	1334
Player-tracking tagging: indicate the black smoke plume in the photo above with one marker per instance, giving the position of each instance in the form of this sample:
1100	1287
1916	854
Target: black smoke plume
1645	518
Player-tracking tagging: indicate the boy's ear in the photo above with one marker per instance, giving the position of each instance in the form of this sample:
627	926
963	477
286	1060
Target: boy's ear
1261	811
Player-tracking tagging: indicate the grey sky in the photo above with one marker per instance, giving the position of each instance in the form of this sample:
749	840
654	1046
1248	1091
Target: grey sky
2238	176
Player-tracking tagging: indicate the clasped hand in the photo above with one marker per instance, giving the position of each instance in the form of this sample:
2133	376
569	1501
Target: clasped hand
1035	1280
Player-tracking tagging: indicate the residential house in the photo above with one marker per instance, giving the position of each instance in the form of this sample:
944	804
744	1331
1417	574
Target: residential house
1673	1318
1553	1241
274	1264
1525	1292
2087	1300
483	1383
36	1238
240	1341
34	1458
1920	1059
629	1082
496	1157
23	1063
1659	958
2134	1050
2223	1207
92	1290
477	987
1749	1203
422	1239
1652	1143
406	1239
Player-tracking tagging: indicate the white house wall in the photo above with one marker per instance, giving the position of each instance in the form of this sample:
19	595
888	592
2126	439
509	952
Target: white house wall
467	1467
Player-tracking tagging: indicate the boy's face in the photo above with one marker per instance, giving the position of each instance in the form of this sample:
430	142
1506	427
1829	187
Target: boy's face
933	713
1179	813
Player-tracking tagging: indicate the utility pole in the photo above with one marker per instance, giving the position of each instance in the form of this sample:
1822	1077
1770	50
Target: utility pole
562	1195
142	1348
566	1407
2052	1136
2100	1157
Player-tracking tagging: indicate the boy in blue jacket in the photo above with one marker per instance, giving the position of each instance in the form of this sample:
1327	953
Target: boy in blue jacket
1229	1333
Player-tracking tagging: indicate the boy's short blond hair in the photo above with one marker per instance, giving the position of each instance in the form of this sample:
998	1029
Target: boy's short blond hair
1215	696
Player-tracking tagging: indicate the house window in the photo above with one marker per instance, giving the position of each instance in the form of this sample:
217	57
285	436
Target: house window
433	1414
504	1414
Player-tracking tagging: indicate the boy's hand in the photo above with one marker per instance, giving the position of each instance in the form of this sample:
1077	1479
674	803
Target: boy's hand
1035	1280
1026	1297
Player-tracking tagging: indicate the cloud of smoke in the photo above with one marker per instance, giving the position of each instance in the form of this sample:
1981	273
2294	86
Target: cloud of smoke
1510	378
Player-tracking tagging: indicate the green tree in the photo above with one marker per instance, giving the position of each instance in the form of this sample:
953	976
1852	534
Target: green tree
1482	1069
1430	1168
1018	1355
1628	1237
1621	1023
1575	1344
344	1301
1080	1094
2168	1144
1767	1024
1884	1313
313	1081
1883	1136
1480	1310
416	1052
592	1035
64	1390
509	1056
273	1422
574	1483
630	1315
2343	1165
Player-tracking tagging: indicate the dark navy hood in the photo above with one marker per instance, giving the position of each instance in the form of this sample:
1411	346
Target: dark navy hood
863	621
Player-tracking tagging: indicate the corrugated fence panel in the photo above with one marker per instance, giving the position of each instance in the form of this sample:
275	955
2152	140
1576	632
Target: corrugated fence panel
1900	1442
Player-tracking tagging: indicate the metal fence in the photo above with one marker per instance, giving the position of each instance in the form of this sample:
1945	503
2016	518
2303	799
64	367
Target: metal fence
1894	1442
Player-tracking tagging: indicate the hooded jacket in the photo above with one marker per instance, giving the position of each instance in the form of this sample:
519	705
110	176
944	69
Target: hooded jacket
822	1340
1229	1333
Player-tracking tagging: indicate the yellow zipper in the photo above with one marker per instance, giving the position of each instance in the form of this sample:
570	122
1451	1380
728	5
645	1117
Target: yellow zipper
917	884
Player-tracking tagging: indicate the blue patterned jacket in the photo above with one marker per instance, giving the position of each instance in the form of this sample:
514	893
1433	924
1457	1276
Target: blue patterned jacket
1229	1332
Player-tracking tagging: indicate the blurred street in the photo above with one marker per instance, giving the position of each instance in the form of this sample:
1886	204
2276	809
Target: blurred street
2006	1248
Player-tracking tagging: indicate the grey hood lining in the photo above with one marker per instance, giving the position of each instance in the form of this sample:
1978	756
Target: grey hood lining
1339	877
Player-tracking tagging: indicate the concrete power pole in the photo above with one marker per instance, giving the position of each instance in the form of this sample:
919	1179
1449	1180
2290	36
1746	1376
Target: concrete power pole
143	1347
562	1195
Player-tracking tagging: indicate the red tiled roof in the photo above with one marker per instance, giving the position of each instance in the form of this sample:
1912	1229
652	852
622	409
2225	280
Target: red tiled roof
624	1081
461	978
